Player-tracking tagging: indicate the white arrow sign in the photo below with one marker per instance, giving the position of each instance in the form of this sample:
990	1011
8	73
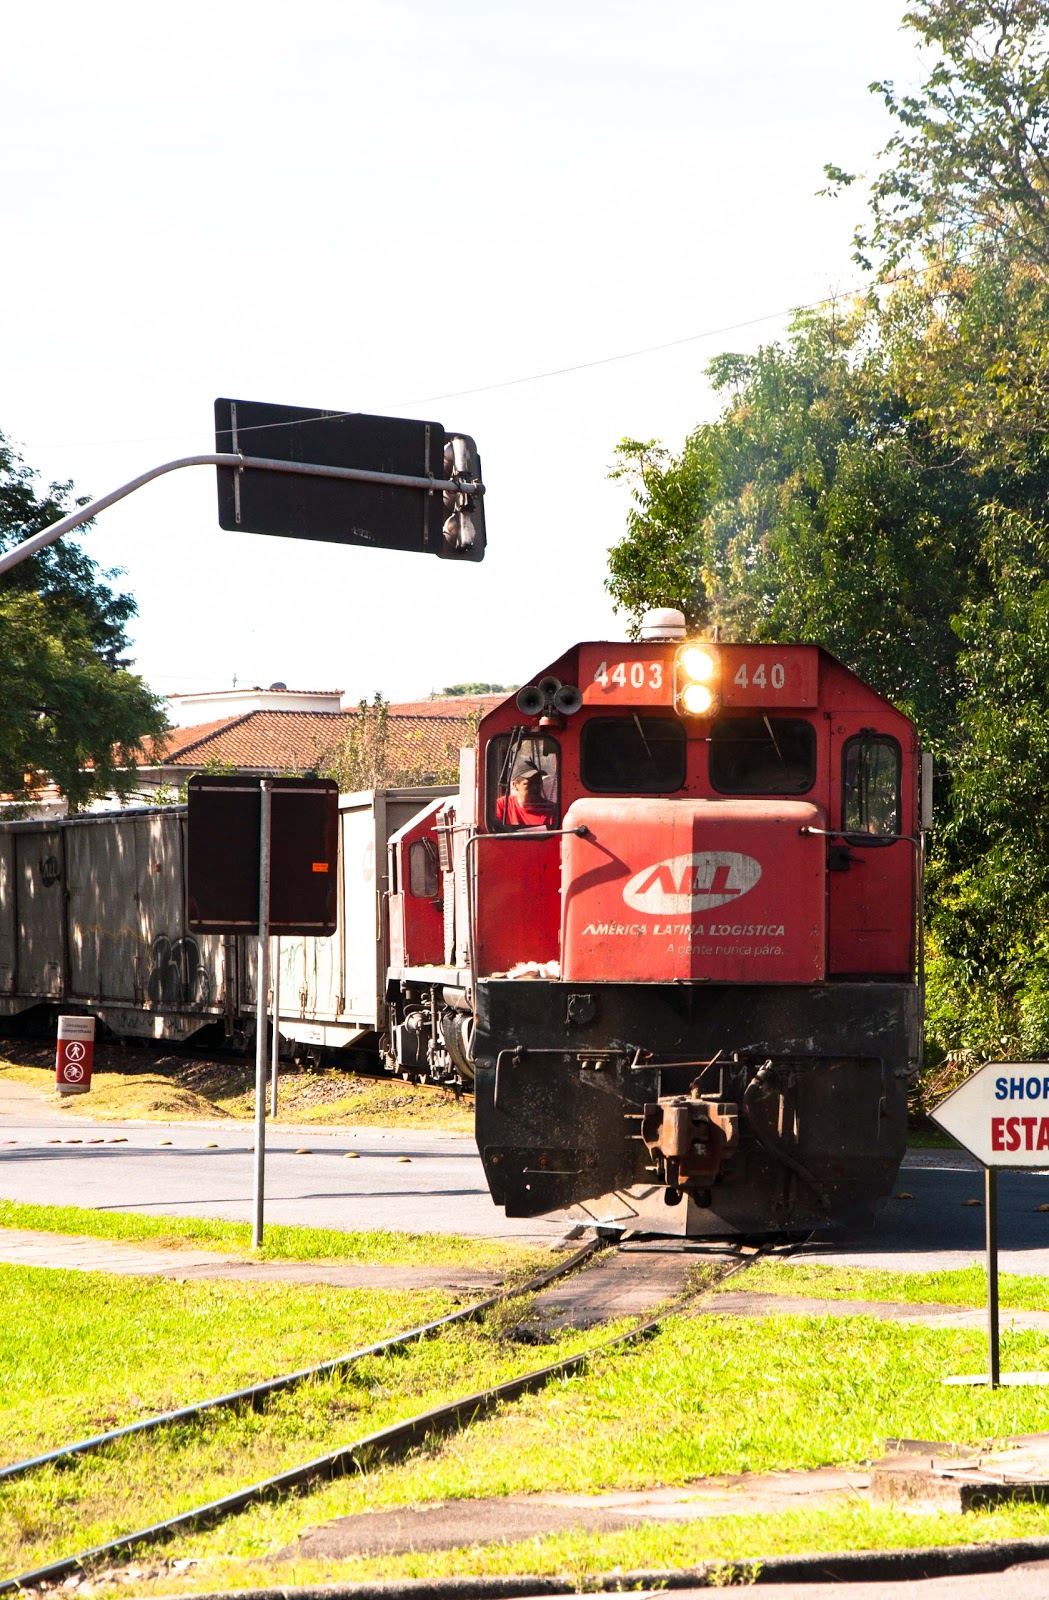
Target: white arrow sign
1001	1114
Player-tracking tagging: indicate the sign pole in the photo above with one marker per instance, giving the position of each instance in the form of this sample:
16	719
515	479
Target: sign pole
275	1043
990	1175
262	984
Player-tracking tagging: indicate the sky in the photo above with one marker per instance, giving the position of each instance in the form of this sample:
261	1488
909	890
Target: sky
412	209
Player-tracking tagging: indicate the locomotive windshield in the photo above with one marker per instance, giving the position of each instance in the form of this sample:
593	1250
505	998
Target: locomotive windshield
633	755
522	781
762	755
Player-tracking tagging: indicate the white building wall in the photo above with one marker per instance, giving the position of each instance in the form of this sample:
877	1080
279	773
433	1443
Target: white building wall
189	710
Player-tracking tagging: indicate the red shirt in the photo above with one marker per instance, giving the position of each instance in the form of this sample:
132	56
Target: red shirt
514	815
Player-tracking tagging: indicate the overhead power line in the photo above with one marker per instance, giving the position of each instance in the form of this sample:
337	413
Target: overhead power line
531	377
630	355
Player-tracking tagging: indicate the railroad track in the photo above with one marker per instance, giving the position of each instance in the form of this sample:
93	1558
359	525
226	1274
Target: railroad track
360	1454
256	1394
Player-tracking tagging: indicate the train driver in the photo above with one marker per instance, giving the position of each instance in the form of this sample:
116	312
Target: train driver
525	805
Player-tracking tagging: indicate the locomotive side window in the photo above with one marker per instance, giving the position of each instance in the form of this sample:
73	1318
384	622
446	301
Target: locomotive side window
522	781
633	755
870	787
762	755
422	869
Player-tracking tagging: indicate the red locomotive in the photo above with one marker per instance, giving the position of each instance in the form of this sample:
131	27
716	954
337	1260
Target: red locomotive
668	928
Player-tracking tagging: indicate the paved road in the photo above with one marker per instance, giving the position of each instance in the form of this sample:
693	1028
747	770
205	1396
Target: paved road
934	1228
1025	1582
206	1171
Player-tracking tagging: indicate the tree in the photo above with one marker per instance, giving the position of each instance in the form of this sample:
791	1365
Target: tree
71	711
377	753
817	507
968	165
661	560
455	690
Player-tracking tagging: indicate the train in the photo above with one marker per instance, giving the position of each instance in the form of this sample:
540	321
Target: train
667	929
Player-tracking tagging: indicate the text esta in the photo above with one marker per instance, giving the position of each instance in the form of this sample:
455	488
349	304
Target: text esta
1014	1133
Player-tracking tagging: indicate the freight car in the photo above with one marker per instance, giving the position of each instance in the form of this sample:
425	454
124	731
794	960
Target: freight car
93	918
668	928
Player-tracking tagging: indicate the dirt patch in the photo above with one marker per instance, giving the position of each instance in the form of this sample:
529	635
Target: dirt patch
154	1081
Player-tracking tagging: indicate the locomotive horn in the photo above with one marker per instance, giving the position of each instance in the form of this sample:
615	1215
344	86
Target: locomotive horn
548	687
530	700
567	700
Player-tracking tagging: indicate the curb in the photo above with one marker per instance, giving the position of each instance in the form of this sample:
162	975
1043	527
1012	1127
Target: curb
854	1566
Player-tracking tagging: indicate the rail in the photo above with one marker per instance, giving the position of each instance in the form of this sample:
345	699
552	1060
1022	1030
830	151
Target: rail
363	1455
257	1393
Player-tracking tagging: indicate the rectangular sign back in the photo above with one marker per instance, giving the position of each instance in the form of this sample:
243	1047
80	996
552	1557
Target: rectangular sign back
386	516
222	869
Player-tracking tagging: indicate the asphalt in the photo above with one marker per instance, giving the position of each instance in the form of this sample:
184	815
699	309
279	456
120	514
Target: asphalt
396	1179
934	1220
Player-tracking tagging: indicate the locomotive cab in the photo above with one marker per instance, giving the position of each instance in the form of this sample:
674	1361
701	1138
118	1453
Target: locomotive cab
679	904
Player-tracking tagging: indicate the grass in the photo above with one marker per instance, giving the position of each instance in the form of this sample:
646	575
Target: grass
90	1500
84	1352
923	1134
703	1397
281	1242
961	1286
190	1090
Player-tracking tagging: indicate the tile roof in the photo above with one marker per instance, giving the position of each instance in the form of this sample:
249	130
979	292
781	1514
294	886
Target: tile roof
167	746
290	741
448	705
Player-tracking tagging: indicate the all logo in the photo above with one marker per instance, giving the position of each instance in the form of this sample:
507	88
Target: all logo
684	884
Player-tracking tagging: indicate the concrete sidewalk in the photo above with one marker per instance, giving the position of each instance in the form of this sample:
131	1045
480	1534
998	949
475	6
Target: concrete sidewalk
25	1247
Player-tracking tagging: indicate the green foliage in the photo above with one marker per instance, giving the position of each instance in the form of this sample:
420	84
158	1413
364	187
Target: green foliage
70	711
817	507
969	350
375	754
455	689
966	166
660	562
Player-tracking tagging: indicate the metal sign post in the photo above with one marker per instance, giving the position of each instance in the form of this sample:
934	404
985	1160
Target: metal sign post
335	477
262	859
1001	1116
275	1045
990	1196
262	986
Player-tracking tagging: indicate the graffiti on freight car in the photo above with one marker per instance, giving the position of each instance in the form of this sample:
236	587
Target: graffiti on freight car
177	975
50	871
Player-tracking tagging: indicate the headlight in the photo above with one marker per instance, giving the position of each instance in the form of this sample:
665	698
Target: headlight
697	681
696	663
696	699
